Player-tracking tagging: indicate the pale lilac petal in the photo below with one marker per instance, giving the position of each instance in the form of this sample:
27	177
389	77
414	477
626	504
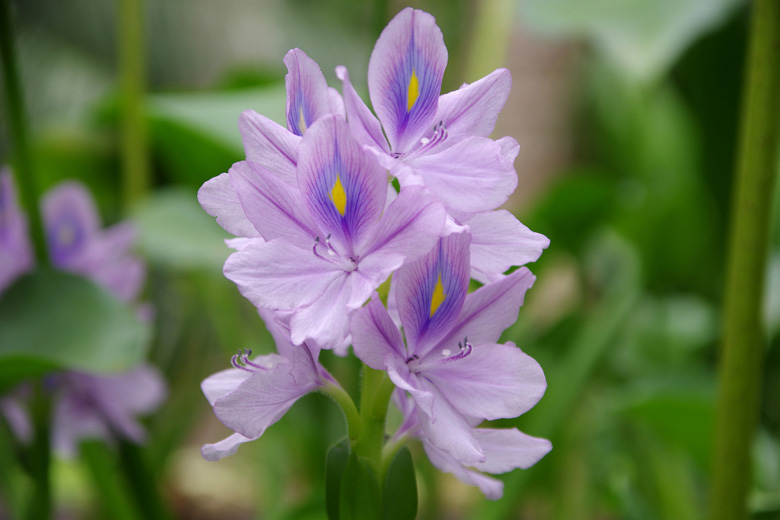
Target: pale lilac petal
275	208
343	185
493	382
73	422
449	430
472	110
431	290
336	102
409	228
375	336
278	325
279	275
223	448
492	488
13	408
399	374
362	123
223	382
491	309
508	449
270	145
261	400
499	241
404	76
238	244
325	320
219	199
307	92
473	176
70	219
123	278
509	148
16	255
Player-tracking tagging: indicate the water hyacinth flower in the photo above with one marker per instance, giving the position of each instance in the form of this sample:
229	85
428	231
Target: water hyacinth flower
451	364
256	393
16	256
330	242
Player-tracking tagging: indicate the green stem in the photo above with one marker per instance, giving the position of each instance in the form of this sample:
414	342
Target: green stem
390	451
134	154
744	339
40	506
376	392
342	398
112	490
491	34
17	125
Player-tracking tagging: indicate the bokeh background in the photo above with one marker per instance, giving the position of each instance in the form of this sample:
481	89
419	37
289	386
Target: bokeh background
627	116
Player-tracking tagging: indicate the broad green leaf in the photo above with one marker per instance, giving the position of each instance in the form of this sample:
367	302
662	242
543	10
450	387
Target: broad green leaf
642	37
360	497
174	231
338	455
56	320
400	494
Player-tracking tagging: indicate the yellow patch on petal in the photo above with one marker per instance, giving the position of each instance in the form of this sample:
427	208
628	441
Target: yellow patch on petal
301	121
413	92
339	196
438	297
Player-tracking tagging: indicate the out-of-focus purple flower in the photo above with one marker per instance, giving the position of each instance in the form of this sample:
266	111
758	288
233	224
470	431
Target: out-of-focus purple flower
328	243
256	393
504	449
270	145
422	137
451	364
16	256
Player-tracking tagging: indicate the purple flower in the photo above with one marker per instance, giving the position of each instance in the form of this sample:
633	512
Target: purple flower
256	393
504	449
439	141
328	243
270	145
16	255
451	364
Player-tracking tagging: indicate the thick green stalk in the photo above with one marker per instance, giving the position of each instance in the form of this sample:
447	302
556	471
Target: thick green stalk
132	80
39	456
347	405
376	392
17	126
744	339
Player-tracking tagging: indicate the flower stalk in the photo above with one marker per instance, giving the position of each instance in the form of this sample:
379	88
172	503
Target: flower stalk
744	339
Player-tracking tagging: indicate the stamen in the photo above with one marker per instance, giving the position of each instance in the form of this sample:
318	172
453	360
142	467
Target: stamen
331	251
241	361
464	350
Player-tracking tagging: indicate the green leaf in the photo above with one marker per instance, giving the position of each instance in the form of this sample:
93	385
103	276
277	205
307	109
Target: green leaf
338	455
55	320
400	494
174	231
360	498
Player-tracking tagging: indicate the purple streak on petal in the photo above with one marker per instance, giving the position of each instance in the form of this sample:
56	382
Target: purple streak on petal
447	262
499	241
509	449
411	42
279	275
491	309
362	123
307	92
473	176
472	110
223	448
275	208
492	488
70	220
261	400
220	200
375	336
270	145
494	382
16	255
329	153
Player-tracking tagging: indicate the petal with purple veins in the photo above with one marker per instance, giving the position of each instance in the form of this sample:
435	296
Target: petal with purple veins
270	145
308	98
363	124
375	336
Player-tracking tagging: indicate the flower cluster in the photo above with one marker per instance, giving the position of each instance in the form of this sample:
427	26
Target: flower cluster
85	405
320	227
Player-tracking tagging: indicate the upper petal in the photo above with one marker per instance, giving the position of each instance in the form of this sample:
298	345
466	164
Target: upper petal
343	185
473	109
404	76
308	98
493	382
375	336
220	200
270	145
362	123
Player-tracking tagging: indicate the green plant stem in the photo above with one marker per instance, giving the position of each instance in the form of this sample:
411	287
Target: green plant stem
342	398
375	397
112	489
132	80
490	37
744	339
39	455
17	125
389	452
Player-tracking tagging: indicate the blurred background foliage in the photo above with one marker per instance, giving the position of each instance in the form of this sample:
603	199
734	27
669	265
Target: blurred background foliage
627	115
